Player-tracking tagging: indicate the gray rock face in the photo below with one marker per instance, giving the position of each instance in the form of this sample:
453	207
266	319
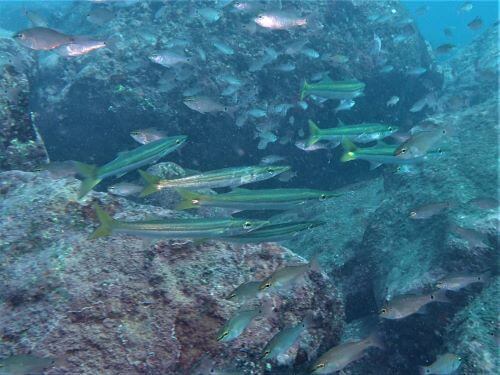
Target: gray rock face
122	305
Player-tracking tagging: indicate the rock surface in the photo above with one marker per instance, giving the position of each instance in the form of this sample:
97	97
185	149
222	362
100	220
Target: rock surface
123	305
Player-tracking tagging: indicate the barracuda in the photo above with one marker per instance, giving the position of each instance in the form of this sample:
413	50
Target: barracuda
265	199
227	177
127	161
275	232
174	228
363	133
333	89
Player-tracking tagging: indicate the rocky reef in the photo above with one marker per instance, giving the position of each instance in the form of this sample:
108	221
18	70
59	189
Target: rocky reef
126	305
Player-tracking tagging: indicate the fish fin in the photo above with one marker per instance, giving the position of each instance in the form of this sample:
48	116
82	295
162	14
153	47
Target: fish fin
315	133
348	156
152	183
327	79
314	263
376	340
89	173
305	86
106	221
340	122
374	165
188	200
440	296
348	145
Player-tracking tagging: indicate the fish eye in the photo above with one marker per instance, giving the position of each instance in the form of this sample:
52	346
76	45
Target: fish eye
266	353
247	225
260	16
232	296
413	214
322	197
427	371
270	170
177	141
432	296
390	128
319	365
383	311
402	151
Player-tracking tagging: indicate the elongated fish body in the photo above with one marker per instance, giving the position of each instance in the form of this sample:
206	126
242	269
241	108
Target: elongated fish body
227	177
265	199
362	133
419	144
283	340
128	161
274	233
42	38
403	306
445	364
329	89
342	355
235	326
455	283
244	291
288	274
173	228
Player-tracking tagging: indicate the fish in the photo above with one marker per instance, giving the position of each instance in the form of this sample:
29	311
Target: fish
473	238
230	79
380	154
42	38
445	48
457	282
223	47
204	104
285	67
282	341
295	47
340	356
257	112
386	69
417	71
99	16
364	132
288	274
420	143
444	364
25	364
484	202
275	232
279	20
209	15
475	24
127	161
148	135
169	59
235	326
338	59
125	189
60	169
345	105
226	177
261	199
272	159
465	7
173	228
309	52
403	306
419	105
329	89
429	210
244	292
449	31
302	144
392	101
79	47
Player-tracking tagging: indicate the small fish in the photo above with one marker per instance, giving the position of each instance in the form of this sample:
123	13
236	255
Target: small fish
311	53
485	203
475	24
314	147
25	364
419	144
79	47
340	356
345	105
329	89
445	48
449	31
403	306
100	16
377	45
444	364
288	274
235	326
286	67
465	7
280	20
393	101
169	59
257	113
42	38
209	15
284	340
223	47
386	69
204	104
201	53
275	232
455	283
417	71
339	59
125	189
429	210
245	292
230	79
294	48
60	169
230	90
144	136
419	105
474	239
271	159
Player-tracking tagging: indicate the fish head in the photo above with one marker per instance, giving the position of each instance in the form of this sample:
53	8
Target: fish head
266	284
319	367
223	334
389	312
274	170
20	36
413	215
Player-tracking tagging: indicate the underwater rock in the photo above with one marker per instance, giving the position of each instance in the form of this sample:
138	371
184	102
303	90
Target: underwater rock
123	305
21	146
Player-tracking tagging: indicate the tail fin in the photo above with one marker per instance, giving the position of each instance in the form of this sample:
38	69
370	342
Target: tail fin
440	296
89	173
314	133
305	86
350	148
152	183
189	199
106	223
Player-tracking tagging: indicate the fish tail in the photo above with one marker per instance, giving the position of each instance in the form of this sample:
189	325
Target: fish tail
315	133
152	183
305	86
106	221
189	200
350	148
89	173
